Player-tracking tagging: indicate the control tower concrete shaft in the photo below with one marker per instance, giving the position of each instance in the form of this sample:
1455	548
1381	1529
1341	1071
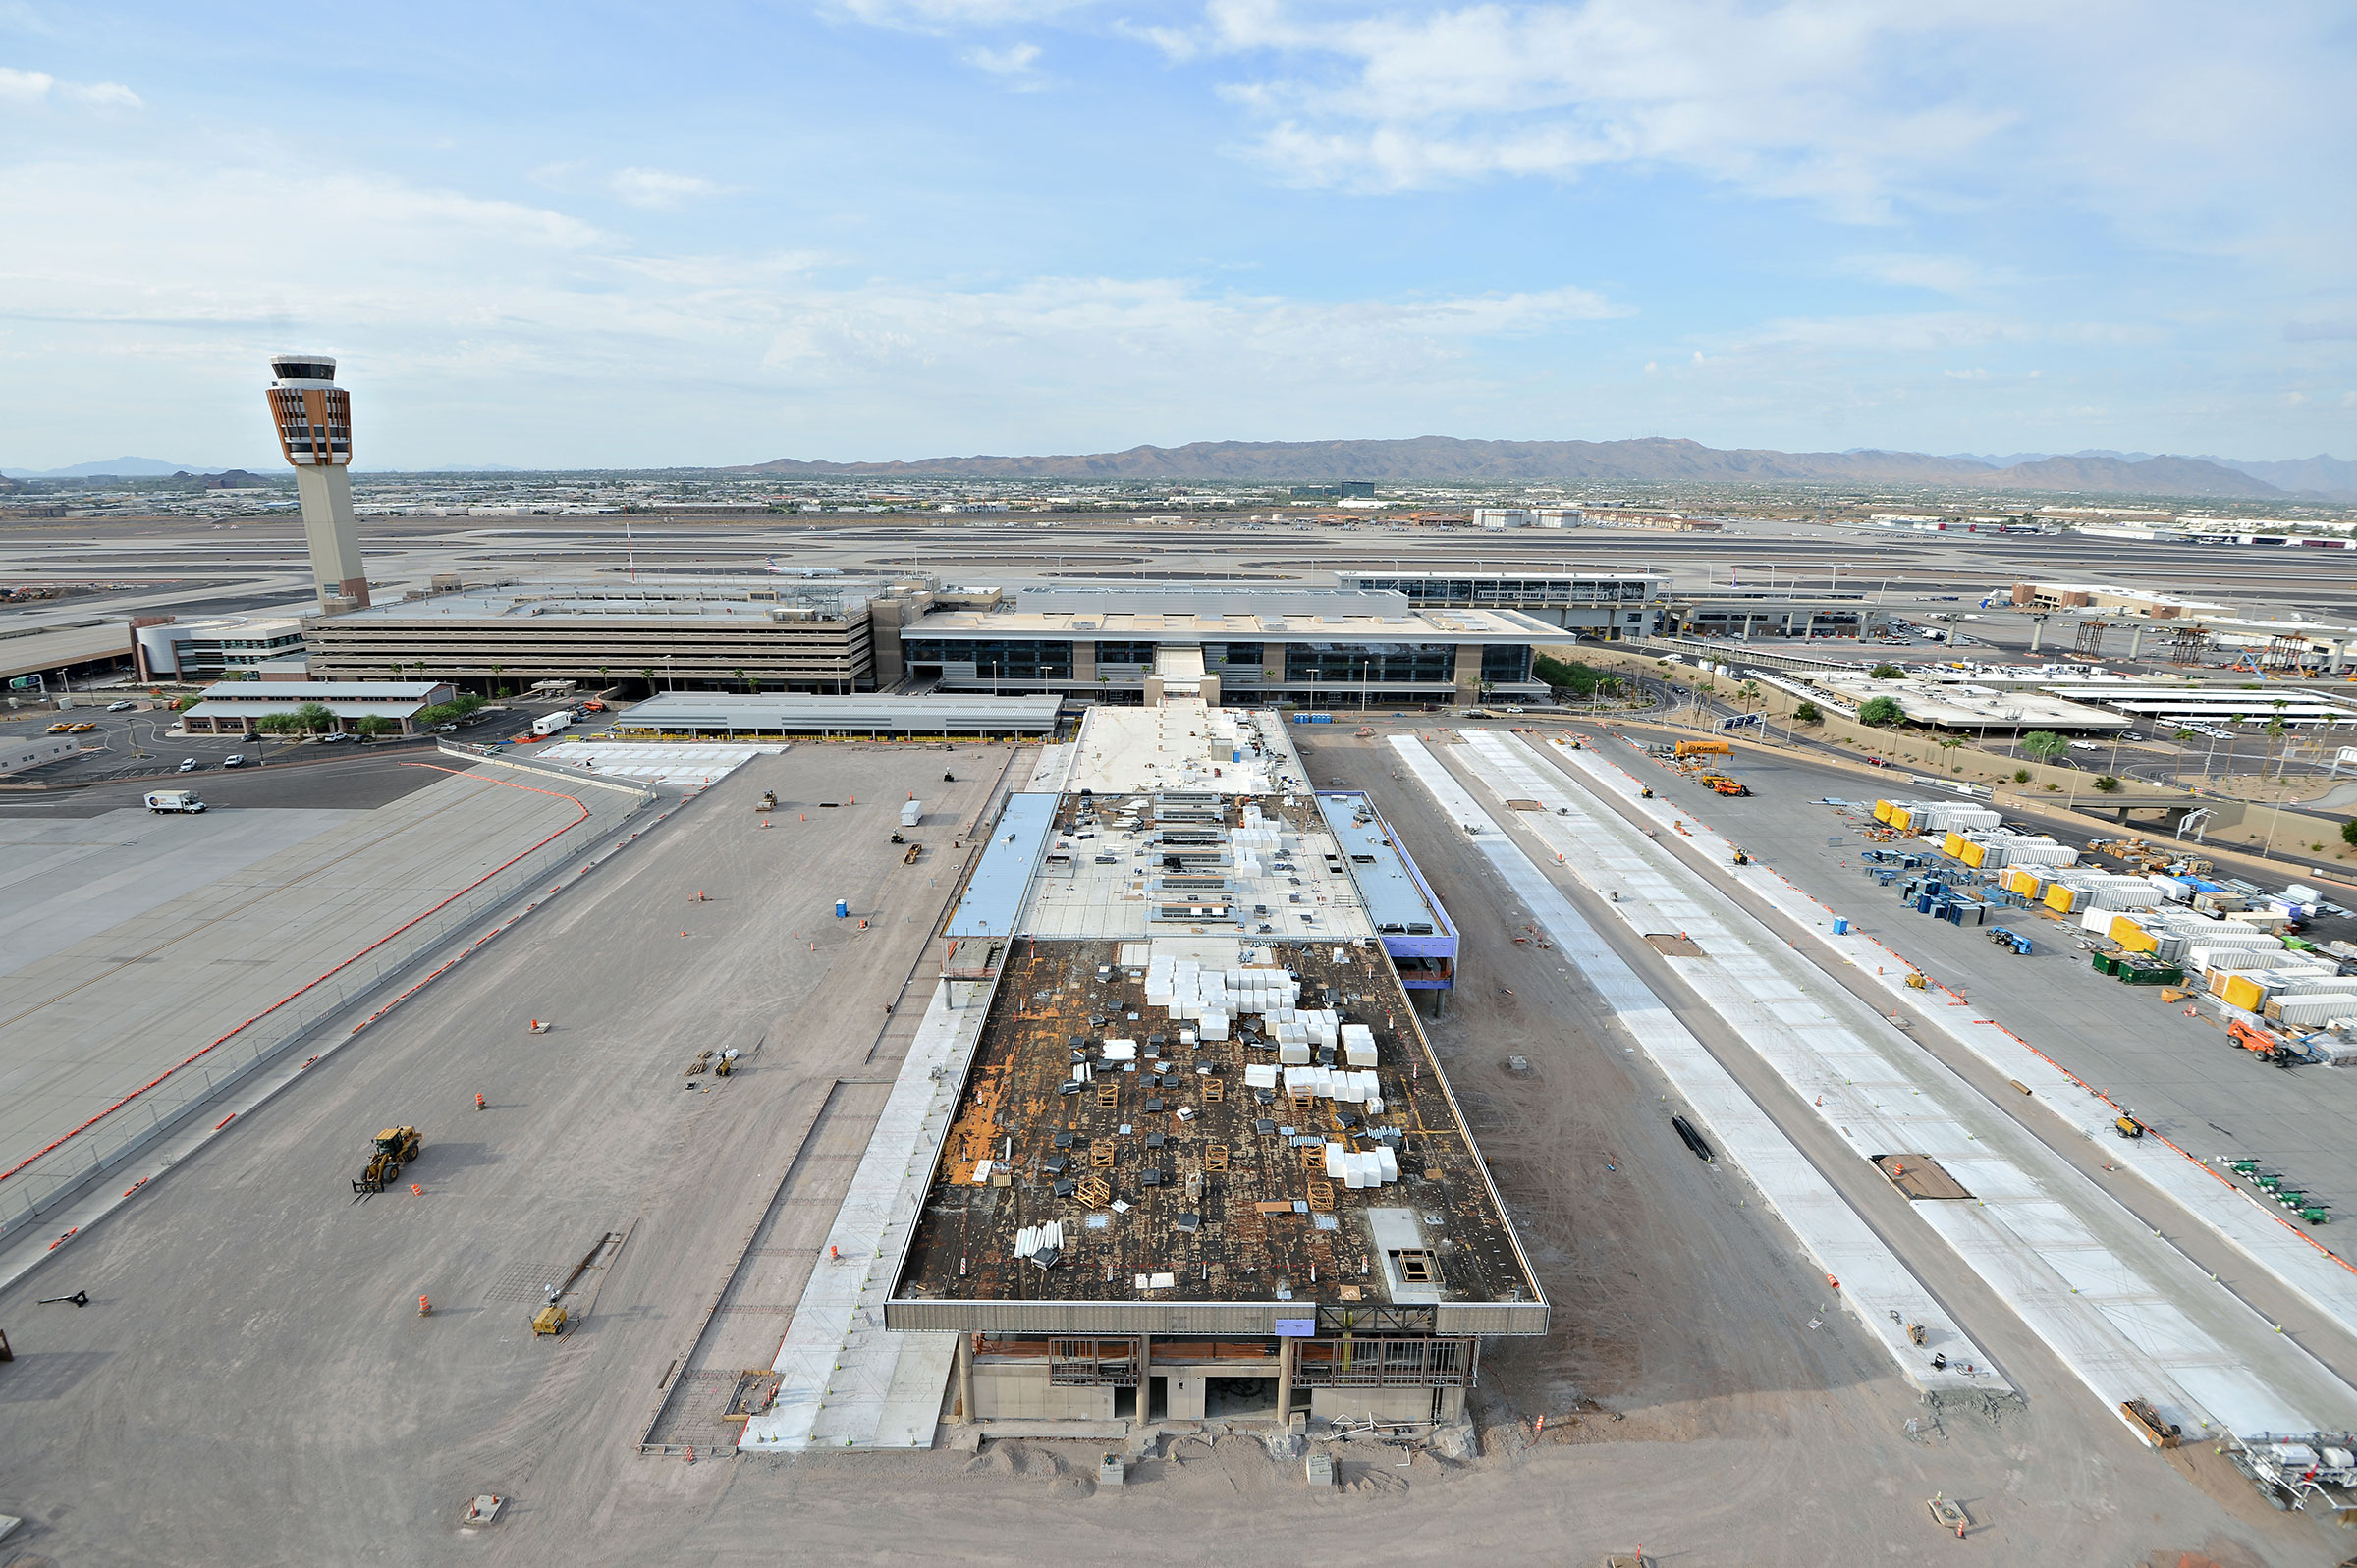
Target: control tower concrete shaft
313	416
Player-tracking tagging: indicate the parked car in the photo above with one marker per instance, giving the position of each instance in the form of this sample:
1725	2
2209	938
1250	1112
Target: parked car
83	728
332	736
60	728
236	759
124	706
443	730
188	765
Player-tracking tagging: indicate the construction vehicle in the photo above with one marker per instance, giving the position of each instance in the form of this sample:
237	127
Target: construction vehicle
2006	936
768	801
2127	1126
915	849
1704	749
395	1148
1722	785
1916	981
1742	859
2266	1044
2144	1420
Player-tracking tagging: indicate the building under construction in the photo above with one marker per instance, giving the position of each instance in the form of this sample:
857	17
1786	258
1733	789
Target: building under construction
1202	1164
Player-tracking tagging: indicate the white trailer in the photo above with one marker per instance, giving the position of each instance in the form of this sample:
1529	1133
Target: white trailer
174	801
548	724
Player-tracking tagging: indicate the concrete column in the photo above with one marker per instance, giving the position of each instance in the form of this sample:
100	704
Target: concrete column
966	1378
1468	671
2340	651
1285	1381
2135	640
2037	631
1145	1382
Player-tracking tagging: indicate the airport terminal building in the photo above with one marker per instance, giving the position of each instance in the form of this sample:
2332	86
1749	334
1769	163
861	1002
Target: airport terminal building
842	636
1310	648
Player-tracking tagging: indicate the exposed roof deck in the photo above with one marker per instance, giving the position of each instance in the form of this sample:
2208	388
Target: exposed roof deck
1191	1201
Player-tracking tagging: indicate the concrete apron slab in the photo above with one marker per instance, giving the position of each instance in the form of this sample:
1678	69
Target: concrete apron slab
845	1379
1876	1288
2130	1315
2319	1276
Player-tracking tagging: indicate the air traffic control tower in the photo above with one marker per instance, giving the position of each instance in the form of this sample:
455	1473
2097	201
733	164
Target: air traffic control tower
313	416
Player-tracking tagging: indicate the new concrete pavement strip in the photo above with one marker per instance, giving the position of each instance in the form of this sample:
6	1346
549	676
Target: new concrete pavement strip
845	1379
1874	1285
2323	1279
2127	1313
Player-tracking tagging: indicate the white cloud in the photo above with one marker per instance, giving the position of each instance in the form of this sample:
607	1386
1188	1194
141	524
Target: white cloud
2183	127
657	190
1949	275
951	16
461	314
1017	65
37	86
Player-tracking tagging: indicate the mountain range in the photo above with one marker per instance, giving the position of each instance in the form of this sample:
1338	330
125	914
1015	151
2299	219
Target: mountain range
1654	460
114	469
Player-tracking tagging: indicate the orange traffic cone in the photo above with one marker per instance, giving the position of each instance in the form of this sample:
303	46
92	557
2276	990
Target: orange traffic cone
424	1305
417	1191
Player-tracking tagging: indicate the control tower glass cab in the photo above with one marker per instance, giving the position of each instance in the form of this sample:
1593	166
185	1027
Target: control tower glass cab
313	419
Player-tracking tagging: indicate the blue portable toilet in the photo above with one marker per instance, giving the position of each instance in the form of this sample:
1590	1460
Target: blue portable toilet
1841	926
843	908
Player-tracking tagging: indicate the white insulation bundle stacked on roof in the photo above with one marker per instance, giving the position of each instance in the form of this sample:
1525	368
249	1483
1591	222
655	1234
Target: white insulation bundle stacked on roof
1360	1169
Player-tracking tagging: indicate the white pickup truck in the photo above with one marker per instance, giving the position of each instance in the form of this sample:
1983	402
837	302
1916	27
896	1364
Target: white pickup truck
174	801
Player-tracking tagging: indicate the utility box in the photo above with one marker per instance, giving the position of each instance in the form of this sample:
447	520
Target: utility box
912	813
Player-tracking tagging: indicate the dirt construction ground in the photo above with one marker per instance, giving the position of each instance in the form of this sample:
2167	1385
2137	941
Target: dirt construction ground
251	1382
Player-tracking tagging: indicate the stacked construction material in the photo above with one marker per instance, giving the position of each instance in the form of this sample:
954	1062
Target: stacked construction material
1350	1086
1212	998
1360	1169
2074	890
1933	818
2253	989
1296	1031
1994	848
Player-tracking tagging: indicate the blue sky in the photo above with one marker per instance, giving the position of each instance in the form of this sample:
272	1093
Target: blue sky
637	235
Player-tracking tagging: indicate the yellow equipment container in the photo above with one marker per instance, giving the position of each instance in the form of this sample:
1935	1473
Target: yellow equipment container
2242	990
1973	854
2131	935
549	1321
1952	845
2025	882
1882	811
2061	899
1899	817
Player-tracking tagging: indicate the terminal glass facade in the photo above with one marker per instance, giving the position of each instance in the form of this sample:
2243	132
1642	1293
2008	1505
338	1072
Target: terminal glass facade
1374	663
997	659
